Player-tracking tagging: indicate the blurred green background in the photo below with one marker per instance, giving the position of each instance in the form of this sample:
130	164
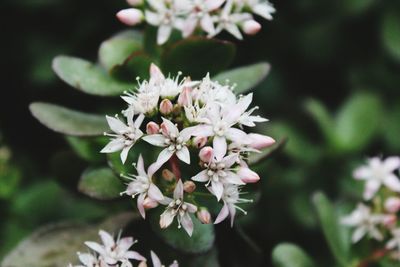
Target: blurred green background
333	92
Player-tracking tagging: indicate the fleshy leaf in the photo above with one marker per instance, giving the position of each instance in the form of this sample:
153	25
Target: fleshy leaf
333	231
100	183
198	56
88	148
245	78
87	77
201	240
391	33
290	255
68	121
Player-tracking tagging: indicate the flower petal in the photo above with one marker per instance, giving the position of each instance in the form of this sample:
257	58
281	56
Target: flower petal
392	182
155	140
220	147
140	206
154	258
116	125
164	156
114	146
134	256
217	189
178	191
222	214
155	193
183	154
187	223
201	177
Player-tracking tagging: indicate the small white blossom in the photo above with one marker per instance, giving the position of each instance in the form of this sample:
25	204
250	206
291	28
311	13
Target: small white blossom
377	173
143	185
365	223
394	242
177	207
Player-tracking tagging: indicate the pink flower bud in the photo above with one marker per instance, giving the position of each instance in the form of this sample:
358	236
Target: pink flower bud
166	107
199	142
189	187
392	204
152	128
204	216
259	141
185	96
149	203
167	175
206	153
130	16
389	220
251	27
134	2
247	175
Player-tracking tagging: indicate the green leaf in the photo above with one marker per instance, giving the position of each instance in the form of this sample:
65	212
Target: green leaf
117	49
198	56
87	148
391	128
68	121
201	240
357	122
136	65
290	255
391	32
87	77
56	245
245	78
333	231
100	183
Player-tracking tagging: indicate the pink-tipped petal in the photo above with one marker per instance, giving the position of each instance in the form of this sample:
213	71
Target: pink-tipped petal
130	16
247	175
259	141
222	214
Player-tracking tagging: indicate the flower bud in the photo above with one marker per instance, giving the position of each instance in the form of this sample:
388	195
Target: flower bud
134	2
152	128
166	107
200	141
142	264
130	16
259	141
251	27
189	187
149	203
247	175
390	221
167	175
204	216
185	96
206	153
392	204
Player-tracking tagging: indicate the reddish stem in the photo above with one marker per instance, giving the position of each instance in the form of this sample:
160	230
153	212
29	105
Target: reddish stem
376	255
175	167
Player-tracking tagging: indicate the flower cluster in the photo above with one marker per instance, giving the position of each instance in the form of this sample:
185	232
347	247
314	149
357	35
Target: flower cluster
114	253
378	216
186	120
189	16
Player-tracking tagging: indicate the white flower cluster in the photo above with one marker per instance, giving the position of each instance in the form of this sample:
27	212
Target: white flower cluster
378	217
114	253
188	119
209	16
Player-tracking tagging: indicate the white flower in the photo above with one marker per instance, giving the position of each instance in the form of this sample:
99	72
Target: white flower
262	8
200	14
246	118
143	185
173	141
219	172
379	172
177	207
230	197
125	135
157	263
365	223
89	260
394	242
113	252
229	21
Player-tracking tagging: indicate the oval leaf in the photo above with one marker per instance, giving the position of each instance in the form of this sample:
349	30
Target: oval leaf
245	78
290	255
100	183
333	231
87	148
202	239
87	77
198	56
68	121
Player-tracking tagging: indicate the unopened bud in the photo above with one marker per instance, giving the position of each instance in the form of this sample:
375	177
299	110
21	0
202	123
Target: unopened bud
390	221
130	16
185	96
149	203
206	154
392	204
259	141
167	175
134	2
204	216
189	187
166	106
200	141
247	175
251	27
152	128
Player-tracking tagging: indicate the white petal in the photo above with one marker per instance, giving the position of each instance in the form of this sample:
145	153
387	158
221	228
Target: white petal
139	121
358	234
116	125
218	189
191	208
362	173
106	238
187	223
134	256
233	178
220	146
155	193
230	160
391	164
152	18
164	31
124	153
125	243
207	24
234	30
156	261
178	191
189	26
140	167
264	10
114	146
166	219
155	139
95	246
222	214
232	212
164	156
170	127
237	135
213	4
371	187
183	154
203	131
140	206
392	182
201	177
